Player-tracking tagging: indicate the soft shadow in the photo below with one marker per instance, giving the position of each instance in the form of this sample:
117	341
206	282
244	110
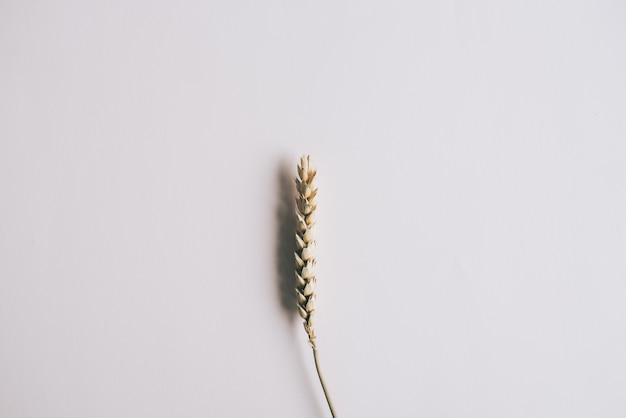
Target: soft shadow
286	242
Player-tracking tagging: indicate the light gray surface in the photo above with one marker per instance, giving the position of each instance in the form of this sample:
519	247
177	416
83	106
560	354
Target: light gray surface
472	236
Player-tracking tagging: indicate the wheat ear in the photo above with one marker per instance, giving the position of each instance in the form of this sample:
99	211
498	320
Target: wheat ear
305	257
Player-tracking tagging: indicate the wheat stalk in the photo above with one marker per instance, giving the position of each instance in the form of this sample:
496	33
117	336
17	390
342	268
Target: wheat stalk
305	257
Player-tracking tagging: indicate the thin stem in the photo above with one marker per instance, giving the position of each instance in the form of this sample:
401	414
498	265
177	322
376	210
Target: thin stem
319	374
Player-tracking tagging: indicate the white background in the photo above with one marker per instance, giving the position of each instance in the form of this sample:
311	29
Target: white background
471	221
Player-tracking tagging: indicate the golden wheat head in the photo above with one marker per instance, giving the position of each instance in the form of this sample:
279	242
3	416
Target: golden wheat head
305	244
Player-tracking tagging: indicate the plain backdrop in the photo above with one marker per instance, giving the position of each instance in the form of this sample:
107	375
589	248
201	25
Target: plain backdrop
471	218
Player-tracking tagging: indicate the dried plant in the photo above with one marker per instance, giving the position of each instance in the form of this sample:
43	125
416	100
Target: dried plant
305	256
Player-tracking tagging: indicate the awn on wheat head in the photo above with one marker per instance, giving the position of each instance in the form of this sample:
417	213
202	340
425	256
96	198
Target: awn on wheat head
305	256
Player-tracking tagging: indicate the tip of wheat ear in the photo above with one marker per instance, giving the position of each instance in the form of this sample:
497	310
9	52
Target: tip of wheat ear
305	244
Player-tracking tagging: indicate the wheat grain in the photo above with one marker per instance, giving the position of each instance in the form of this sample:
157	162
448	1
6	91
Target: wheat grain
305	257
305	245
